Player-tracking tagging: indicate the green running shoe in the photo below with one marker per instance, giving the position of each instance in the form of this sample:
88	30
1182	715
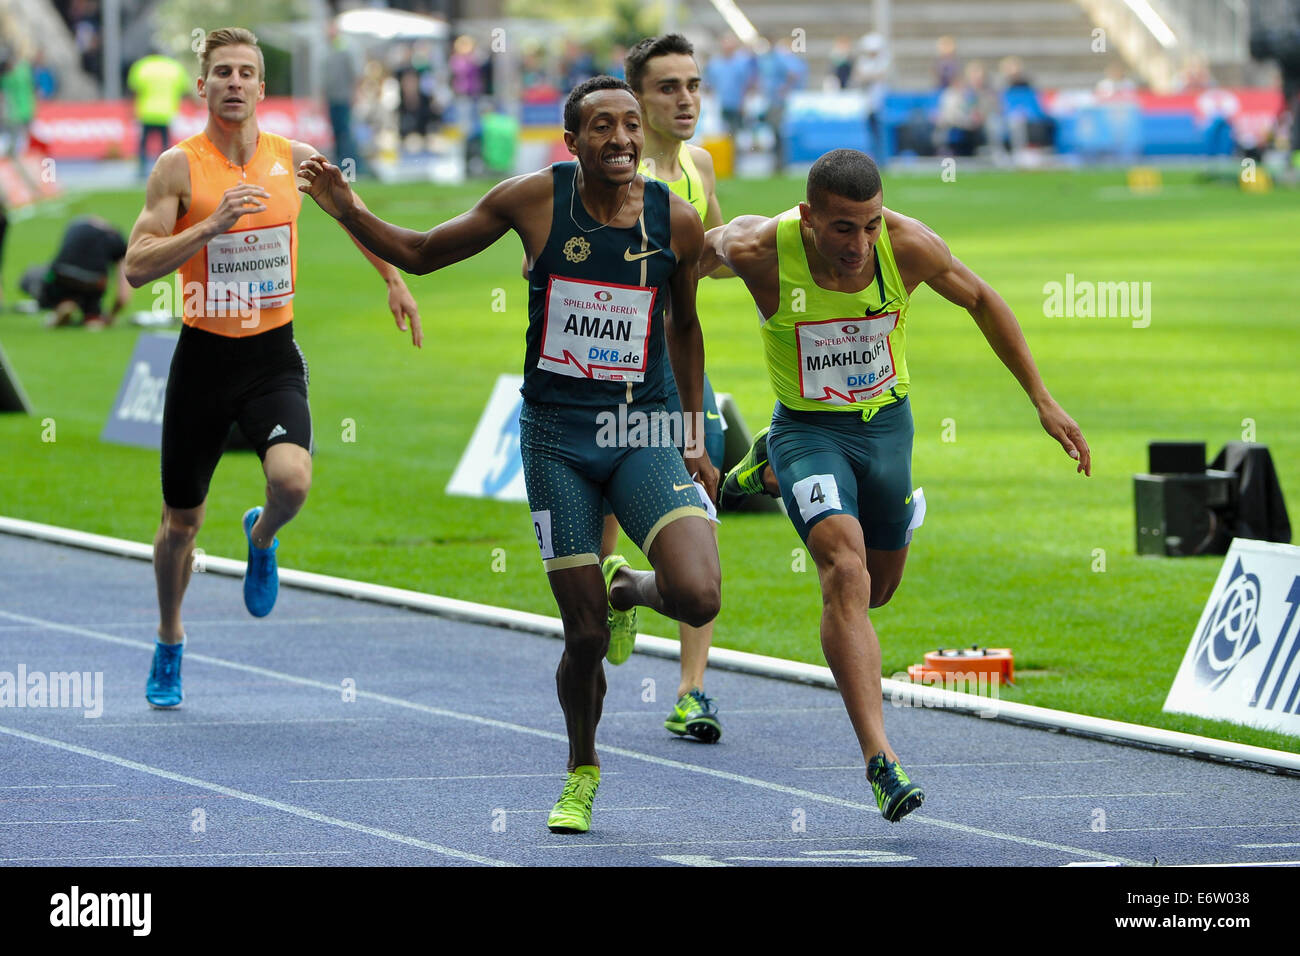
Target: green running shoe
572	812
622	624
896	795
695	715
747	477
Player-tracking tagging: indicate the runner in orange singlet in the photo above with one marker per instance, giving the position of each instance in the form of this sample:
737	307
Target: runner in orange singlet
222	207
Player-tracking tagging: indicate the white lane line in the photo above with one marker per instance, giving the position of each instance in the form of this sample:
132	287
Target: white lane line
58	786
694	860
602	809
235	622
1203	826
561	738
1262	863
181	725
1079	796
587	846
733	710
19	823
253	798
1264	846
173	856
466	776
861	768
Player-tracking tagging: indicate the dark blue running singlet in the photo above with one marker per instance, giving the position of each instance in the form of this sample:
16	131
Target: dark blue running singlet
596	303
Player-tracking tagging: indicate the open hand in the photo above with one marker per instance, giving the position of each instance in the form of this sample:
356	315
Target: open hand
325	183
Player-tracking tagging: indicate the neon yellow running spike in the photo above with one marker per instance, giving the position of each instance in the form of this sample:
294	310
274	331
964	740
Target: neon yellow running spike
896	795
695	715
746	478
622	624
572	812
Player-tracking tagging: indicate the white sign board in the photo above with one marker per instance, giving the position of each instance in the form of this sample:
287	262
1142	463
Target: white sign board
491	466
1243	663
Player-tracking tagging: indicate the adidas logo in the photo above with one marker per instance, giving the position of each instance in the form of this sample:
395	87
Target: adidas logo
278	170
276	432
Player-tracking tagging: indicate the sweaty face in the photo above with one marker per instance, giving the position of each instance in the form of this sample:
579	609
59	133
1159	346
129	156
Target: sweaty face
844	231
670	95
609	140
233	86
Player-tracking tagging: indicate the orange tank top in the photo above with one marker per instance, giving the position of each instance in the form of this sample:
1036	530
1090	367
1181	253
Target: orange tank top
242	282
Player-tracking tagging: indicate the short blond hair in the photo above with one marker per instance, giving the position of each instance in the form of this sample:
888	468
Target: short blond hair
230	36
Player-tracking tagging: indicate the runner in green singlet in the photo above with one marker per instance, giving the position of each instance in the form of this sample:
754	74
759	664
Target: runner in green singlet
832	280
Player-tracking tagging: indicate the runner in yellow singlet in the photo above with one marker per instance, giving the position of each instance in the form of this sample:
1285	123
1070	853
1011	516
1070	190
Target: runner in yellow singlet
666	79
832	280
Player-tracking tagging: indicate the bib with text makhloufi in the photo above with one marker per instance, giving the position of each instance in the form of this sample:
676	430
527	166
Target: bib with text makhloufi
842	361
254	266
596	330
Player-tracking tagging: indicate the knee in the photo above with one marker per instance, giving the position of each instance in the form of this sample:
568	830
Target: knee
291	485
700	603
181	526
882	591
844	576
586	645
691	595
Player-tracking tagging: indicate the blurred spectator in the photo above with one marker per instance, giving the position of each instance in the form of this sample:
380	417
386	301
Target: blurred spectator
416	118
946	67
614	67
47	81
780	71
841	63
1115	82
965	108
158	82
1195	75
1026	122
376	106
466	68
870	73
78	277
467	86
578	64
731	74
83	15
535	76
19	91
340	90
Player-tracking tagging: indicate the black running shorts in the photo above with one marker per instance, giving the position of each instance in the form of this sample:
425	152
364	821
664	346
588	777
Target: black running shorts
259	381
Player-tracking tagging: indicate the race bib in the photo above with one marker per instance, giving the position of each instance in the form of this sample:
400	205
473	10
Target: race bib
596	330
250	268
842	361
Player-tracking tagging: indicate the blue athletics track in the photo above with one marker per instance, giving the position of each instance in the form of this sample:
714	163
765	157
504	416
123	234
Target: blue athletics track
339	732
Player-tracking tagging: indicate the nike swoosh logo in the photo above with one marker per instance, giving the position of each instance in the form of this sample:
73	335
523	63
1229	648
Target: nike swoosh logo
712	415
631	256
907	500
677	487
880	310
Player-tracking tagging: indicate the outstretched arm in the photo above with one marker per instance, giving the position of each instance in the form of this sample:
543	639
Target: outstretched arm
400	301
416	252
713	214
686	342
947	275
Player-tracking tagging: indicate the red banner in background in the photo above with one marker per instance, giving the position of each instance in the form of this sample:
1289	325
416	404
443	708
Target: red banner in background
107	129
